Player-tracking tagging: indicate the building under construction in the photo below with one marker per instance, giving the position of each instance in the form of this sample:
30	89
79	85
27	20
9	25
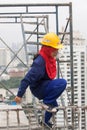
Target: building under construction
35	20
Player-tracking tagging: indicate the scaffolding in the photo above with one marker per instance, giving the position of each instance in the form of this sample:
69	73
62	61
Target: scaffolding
20	121
36	20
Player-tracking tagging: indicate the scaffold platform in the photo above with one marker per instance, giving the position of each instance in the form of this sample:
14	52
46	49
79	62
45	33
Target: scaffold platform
14	117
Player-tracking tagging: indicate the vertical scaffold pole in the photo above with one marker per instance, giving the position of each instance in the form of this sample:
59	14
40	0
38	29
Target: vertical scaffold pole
71	57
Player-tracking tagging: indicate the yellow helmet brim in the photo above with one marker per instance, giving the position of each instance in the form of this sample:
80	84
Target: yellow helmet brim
59	46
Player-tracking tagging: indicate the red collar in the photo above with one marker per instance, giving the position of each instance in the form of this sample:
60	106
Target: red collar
45	52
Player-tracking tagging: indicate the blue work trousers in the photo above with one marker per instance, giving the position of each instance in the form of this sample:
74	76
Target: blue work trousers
49	91
53	91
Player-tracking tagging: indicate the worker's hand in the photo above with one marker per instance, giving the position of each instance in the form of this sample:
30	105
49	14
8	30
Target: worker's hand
18	99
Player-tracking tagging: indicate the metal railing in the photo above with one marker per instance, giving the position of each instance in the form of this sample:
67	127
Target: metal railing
18	118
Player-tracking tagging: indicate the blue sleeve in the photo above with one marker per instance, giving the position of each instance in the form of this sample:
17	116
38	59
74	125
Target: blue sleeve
36	72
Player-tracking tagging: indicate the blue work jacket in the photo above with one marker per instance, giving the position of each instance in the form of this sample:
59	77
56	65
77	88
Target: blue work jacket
36	78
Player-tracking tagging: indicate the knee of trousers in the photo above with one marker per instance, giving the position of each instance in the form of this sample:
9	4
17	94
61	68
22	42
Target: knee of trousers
62	84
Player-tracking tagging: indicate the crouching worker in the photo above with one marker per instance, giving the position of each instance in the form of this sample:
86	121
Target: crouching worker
41	76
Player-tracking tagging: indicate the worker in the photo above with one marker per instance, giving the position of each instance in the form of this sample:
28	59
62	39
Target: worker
42	76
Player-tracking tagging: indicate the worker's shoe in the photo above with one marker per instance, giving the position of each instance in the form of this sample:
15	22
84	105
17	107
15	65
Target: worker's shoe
49	108
52	109
47	125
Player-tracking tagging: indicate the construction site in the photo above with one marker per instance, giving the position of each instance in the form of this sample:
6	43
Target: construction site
35	20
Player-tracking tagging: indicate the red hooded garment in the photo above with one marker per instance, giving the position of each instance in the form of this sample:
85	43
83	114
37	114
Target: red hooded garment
45	52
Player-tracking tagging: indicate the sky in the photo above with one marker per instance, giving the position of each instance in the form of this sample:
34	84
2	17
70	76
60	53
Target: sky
79	11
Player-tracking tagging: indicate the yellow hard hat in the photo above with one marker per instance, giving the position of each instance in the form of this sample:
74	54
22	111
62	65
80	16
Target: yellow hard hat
52	40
